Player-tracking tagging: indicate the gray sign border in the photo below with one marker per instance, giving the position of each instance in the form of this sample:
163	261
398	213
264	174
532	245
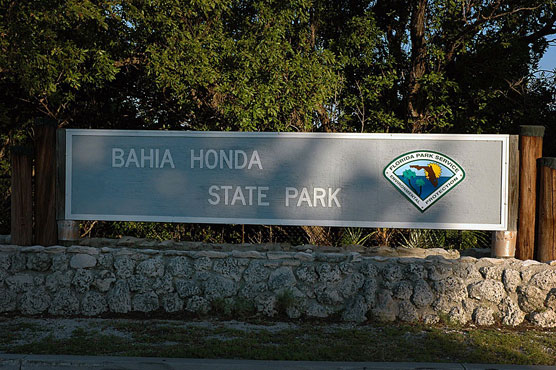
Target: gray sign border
504	139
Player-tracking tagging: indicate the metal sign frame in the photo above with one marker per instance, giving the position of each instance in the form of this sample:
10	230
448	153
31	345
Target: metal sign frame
65	141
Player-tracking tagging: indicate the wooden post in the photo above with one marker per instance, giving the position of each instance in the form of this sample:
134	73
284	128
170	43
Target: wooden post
45	184
547	210
22	196
504	242
531	150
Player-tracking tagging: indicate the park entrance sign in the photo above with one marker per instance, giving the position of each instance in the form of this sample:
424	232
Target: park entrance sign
361	180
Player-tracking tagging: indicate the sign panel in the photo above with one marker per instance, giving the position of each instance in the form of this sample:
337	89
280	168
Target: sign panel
361	180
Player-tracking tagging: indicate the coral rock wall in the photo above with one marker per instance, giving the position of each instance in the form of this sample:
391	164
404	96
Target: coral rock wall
302	283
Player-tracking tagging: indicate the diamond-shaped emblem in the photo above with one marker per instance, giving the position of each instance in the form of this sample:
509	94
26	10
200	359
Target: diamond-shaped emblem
424	176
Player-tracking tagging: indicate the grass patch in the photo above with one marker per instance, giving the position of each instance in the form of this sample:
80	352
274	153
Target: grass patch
310	342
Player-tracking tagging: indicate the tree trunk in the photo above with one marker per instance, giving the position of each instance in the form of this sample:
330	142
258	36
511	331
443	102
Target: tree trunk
415	101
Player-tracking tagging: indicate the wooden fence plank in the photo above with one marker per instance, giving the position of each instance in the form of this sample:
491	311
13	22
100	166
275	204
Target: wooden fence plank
22	196
504	242
45	185
60	173
547	208
531	150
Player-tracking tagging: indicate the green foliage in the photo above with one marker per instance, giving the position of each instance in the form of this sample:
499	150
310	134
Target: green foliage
274	65
268	65
448	239
356	236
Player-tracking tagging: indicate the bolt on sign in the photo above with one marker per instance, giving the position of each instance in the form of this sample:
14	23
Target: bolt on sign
360	180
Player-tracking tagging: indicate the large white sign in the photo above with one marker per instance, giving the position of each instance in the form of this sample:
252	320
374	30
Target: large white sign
364	180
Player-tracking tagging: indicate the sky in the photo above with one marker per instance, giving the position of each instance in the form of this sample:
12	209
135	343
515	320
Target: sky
548	61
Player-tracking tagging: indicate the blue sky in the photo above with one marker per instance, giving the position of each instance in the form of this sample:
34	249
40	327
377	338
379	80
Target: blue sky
548	61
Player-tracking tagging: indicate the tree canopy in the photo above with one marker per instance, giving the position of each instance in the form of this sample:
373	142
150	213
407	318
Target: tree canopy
465	66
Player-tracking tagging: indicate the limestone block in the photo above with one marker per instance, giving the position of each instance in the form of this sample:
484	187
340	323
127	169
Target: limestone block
34	301
152	267
82	261
140	284
19	282
17	262
59	263
368	268
38	261
492	272
346	268
187	288
8	300
386	308
349	286
104	280
414	271
510	313
279	255
32	249
198	305
356	310
219	287
544	319
304	256
124	266
317	310
391	274
545	279
64	303
38	280
93	303
172	303
4	261
82	280
451	288
251	289
247	254
511	279
119	297
145	302
58	279
256	272
328	294
280	278
408	312
230	268
163	285
106	261
530	298
439	270
369	290
483	316
307	274
422	294
487	290
458	315
550	301
202	264
328	273
266	304
83	249
431	319
180	267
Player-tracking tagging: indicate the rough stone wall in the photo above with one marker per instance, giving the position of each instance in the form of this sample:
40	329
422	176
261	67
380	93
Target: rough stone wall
85	280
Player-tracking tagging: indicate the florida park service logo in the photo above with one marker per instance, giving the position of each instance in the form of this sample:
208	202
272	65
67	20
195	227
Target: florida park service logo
424	177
